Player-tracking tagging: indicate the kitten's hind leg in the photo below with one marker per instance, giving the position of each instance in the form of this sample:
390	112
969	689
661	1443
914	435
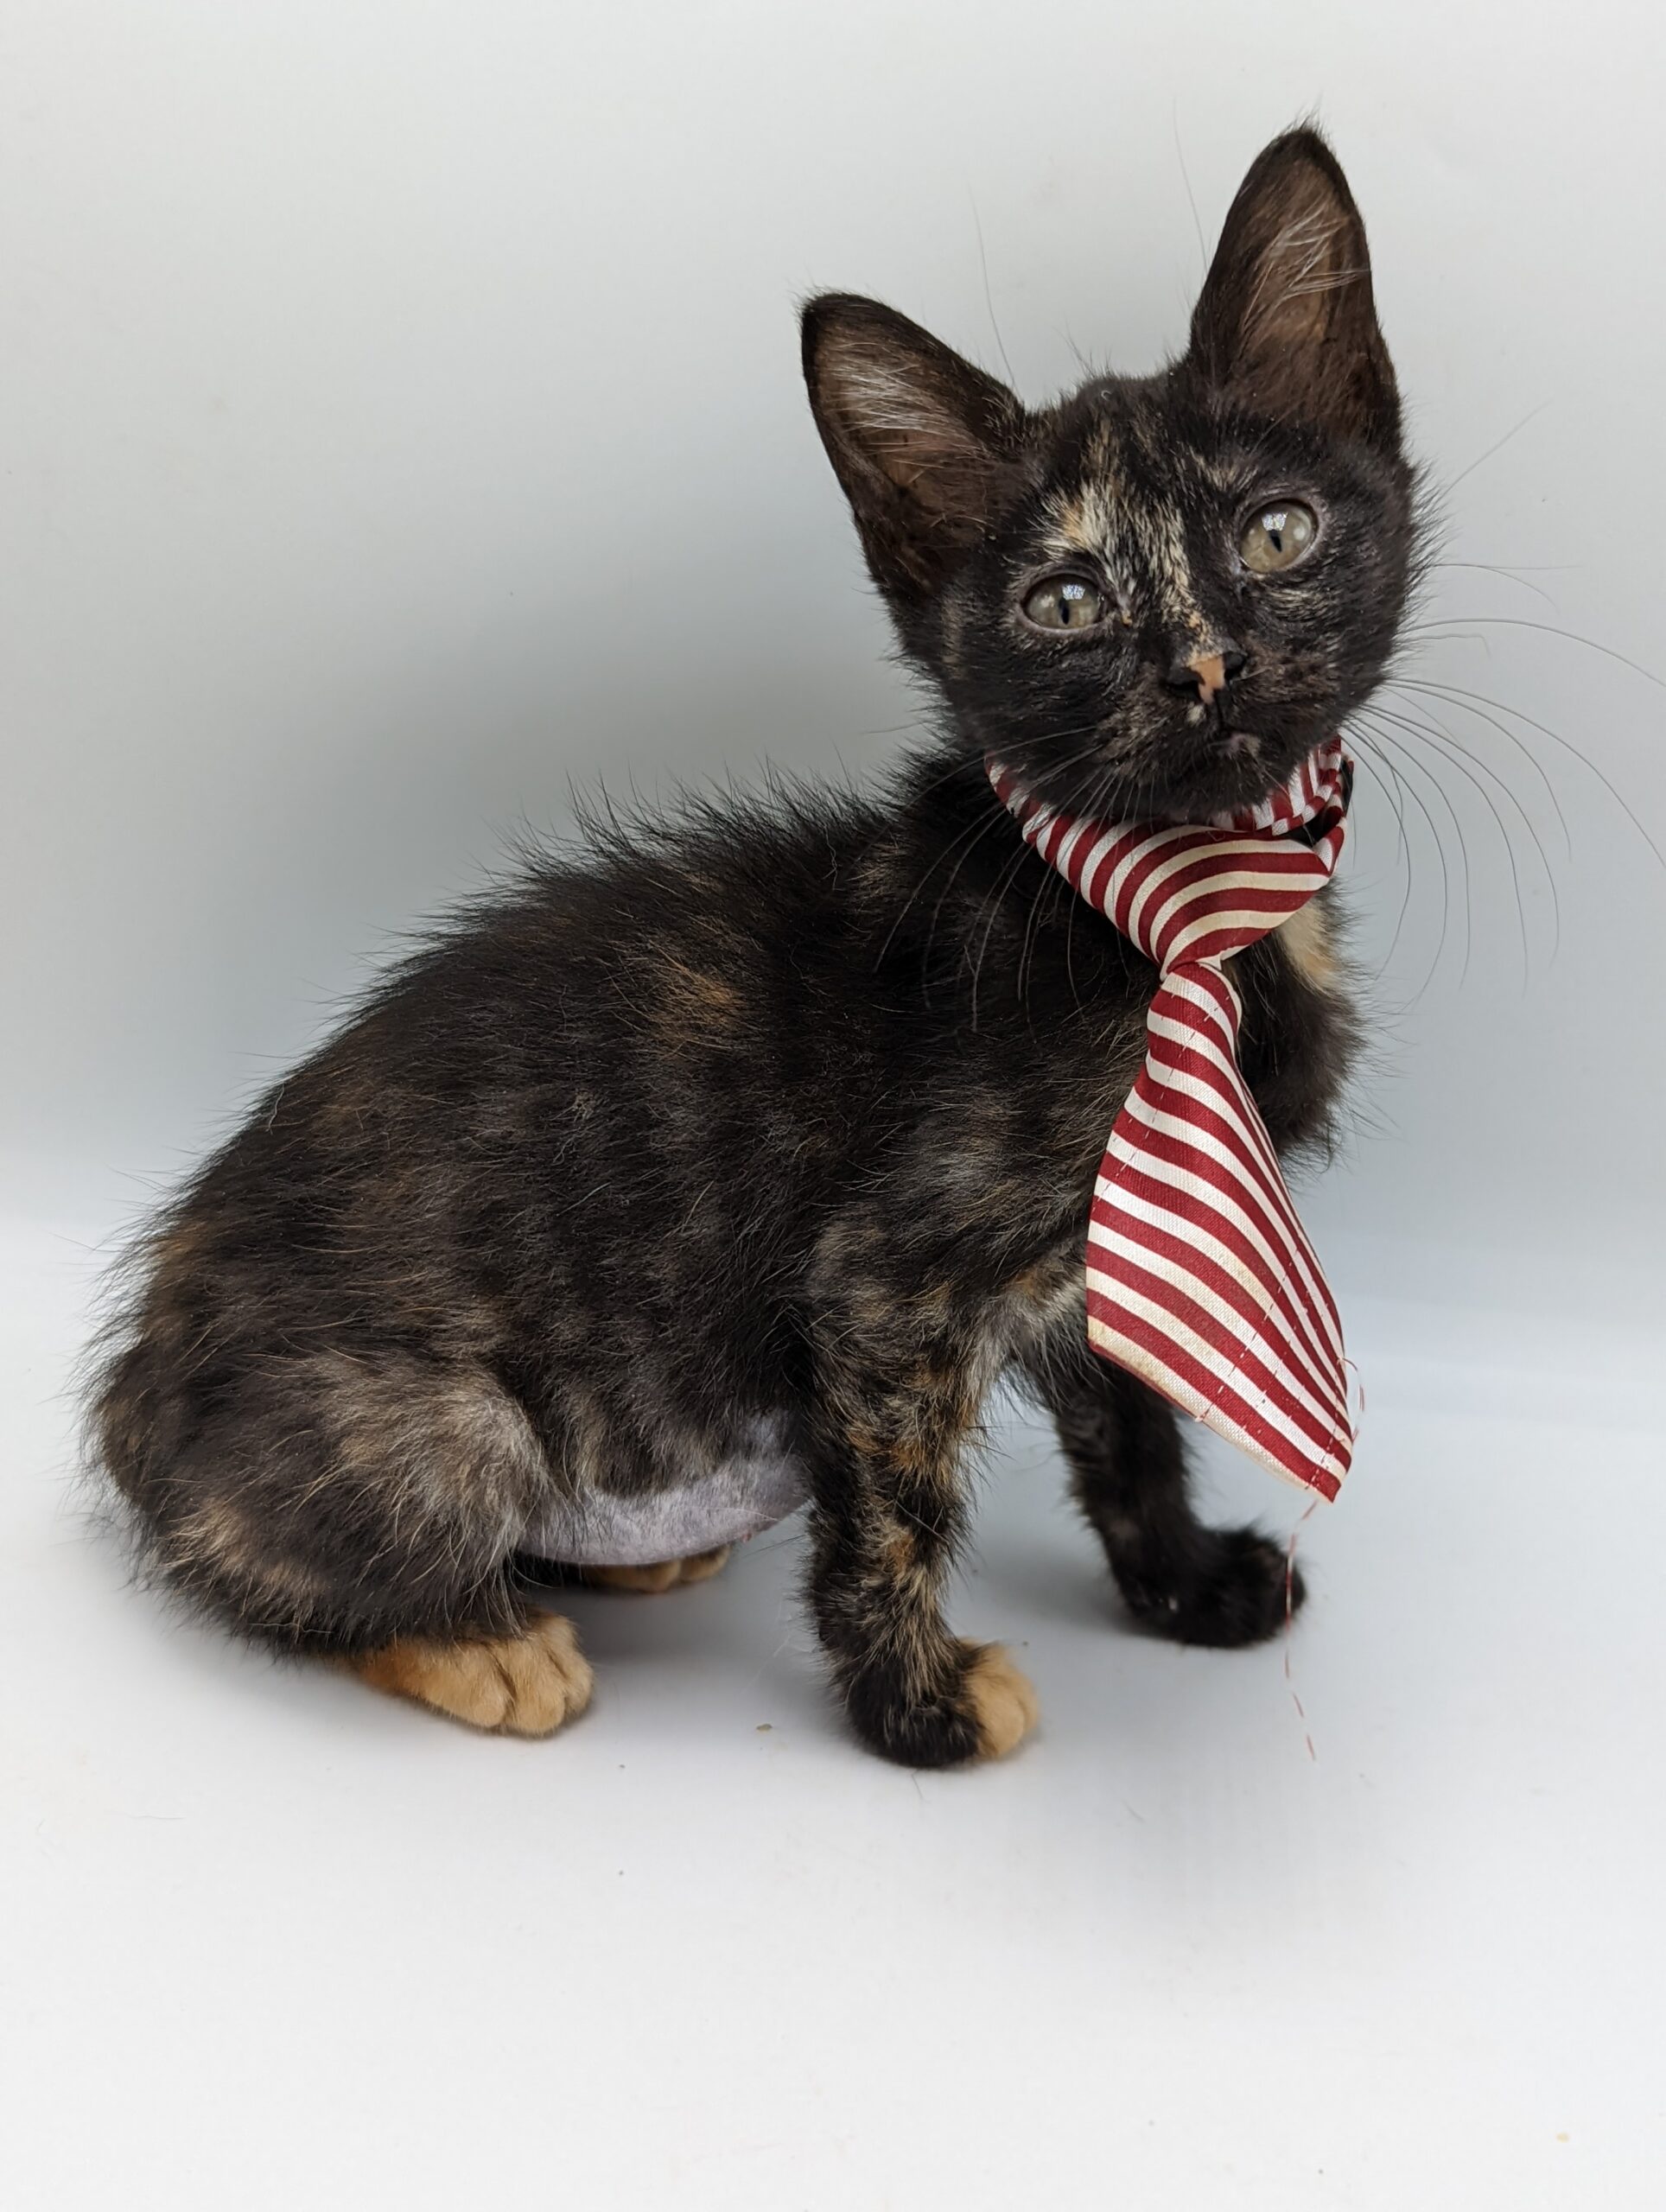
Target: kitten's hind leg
359	1510
1181	1578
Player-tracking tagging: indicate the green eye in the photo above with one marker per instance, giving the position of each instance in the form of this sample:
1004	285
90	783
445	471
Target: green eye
1065	603
1277	536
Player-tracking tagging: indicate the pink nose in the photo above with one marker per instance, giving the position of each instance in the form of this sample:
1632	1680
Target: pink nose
1209	669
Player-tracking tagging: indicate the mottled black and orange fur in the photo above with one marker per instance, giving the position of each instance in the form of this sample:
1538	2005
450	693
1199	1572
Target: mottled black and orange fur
792	1107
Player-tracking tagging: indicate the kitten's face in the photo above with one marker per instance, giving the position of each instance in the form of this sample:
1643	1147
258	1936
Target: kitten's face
1228	590
1157	596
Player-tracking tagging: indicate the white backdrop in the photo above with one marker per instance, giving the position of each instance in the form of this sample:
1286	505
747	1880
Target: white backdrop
399	417
400	420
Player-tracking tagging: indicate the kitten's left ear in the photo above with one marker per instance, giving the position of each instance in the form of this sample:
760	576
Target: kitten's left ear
1285	324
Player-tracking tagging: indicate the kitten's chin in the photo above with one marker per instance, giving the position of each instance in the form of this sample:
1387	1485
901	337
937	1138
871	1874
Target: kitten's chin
1237	768
1230	770
1237	772
1233	777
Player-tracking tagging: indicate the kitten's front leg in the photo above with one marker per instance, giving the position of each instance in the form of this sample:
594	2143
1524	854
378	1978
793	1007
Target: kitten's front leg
1221	1586
888	1517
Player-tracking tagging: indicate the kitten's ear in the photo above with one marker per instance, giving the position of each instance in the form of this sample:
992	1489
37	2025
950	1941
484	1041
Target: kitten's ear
1286	323
926	447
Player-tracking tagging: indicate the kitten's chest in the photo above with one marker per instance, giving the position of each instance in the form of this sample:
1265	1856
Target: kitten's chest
1301	1026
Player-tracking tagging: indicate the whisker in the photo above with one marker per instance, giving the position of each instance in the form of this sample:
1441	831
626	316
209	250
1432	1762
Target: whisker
1517	713
1452	482
1070	968
1051	880
989	296
1411	791
998	814
1427	736
1486	768
1395	802
1550	630
1493	569
1445	692
1433	726
978	824
994	900
1191	197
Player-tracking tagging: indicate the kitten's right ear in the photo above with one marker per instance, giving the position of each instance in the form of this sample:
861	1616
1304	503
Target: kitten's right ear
927	447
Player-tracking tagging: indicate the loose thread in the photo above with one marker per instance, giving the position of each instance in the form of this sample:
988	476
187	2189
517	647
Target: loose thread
1358	1381
1290	1573
1289	1625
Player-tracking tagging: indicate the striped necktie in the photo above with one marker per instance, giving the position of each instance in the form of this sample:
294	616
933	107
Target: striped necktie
1201	1278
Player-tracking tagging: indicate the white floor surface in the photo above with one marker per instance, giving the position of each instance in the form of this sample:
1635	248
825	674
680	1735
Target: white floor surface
269	1940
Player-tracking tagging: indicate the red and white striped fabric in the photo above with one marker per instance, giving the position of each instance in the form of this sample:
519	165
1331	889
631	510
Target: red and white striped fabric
1201	1278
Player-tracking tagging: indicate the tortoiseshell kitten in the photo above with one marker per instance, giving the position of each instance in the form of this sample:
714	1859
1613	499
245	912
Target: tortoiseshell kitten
730	1166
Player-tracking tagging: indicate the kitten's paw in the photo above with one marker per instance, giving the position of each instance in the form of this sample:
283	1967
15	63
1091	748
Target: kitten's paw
1231	1590
1002	1703
987	1710
703	1565
665	1574
524	1685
